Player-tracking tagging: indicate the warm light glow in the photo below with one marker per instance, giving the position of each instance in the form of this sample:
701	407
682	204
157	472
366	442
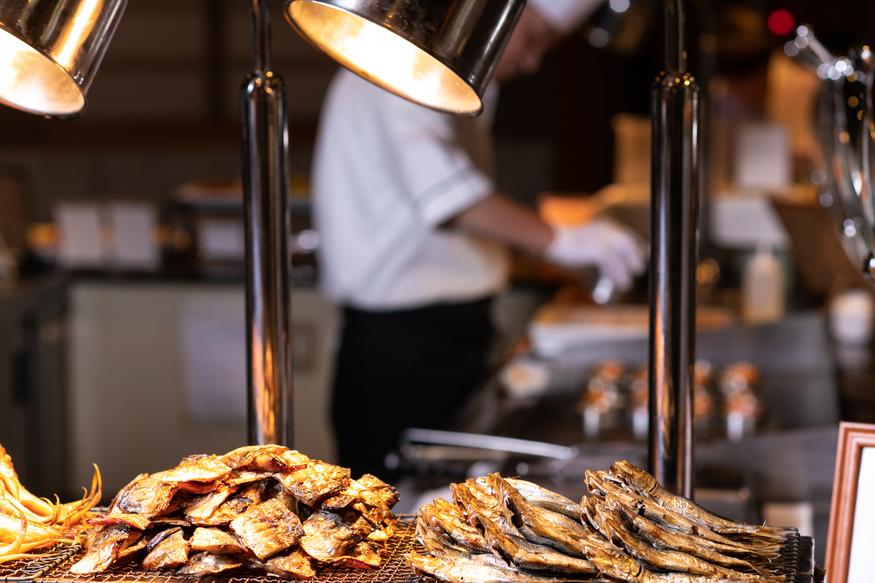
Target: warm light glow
82	23
708	42
32	82
385	58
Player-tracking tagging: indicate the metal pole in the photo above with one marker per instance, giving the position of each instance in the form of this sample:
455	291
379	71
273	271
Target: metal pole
268	261
674	198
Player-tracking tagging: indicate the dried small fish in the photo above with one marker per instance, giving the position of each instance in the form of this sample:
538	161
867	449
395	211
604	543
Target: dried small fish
687	578
451	553
433	538
532	556
476	503
542	497
662	538
617	534
447	517
646	485
543	526
474	571
669	560
604	485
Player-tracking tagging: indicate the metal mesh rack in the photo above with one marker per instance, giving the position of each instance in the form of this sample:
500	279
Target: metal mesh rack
54	566
33	569
797	560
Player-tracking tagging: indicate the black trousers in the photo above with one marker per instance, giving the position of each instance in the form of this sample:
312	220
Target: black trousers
400	369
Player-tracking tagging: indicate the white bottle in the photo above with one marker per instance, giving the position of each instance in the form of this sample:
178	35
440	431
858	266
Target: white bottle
763	288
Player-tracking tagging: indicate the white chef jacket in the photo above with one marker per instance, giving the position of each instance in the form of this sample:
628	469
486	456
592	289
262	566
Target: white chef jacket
386	174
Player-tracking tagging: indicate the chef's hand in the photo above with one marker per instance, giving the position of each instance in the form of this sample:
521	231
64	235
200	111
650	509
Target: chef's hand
616	250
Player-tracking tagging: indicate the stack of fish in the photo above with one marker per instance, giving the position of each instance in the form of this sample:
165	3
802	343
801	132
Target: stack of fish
630	529
260	507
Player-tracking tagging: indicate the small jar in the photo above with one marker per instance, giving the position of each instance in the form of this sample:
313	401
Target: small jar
742	403
602	401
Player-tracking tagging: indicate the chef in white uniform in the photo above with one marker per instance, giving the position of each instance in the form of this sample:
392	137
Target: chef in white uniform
414	235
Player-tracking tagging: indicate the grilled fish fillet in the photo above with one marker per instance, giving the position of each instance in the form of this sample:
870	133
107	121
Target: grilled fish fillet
103	549
204	563
215	540
146	495
314	482
267	528
294	563
328	537
167	550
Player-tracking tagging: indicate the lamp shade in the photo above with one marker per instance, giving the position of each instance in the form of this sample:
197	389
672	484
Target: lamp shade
438	53
50	51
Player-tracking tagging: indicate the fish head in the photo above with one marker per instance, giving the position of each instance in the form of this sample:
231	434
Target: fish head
634	476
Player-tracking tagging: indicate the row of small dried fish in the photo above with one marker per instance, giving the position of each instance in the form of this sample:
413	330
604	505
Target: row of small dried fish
260	507
28	523
630	529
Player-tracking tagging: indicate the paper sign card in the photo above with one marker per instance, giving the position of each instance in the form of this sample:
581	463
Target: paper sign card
81	243
221	239
213	337
762	156
134	245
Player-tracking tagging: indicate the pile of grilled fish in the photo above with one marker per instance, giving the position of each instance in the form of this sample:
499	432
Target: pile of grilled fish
629	529
267	508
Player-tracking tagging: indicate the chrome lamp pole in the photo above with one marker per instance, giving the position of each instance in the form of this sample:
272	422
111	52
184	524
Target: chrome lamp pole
674	234
267	226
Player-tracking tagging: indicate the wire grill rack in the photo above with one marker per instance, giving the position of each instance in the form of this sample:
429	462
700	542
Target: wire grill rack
54	566
797	560
33	569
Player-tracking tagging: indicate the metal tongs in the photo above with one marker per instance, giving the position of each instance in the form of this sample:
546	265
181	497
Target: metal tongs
846	131
432	445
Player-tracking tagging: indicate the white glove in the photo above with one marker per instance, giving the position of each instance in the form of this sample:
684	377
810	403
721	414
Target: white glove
615	250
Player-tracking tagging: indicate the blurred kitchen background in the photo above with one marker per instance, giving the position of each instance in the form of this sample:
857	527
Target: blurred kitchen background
122	314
